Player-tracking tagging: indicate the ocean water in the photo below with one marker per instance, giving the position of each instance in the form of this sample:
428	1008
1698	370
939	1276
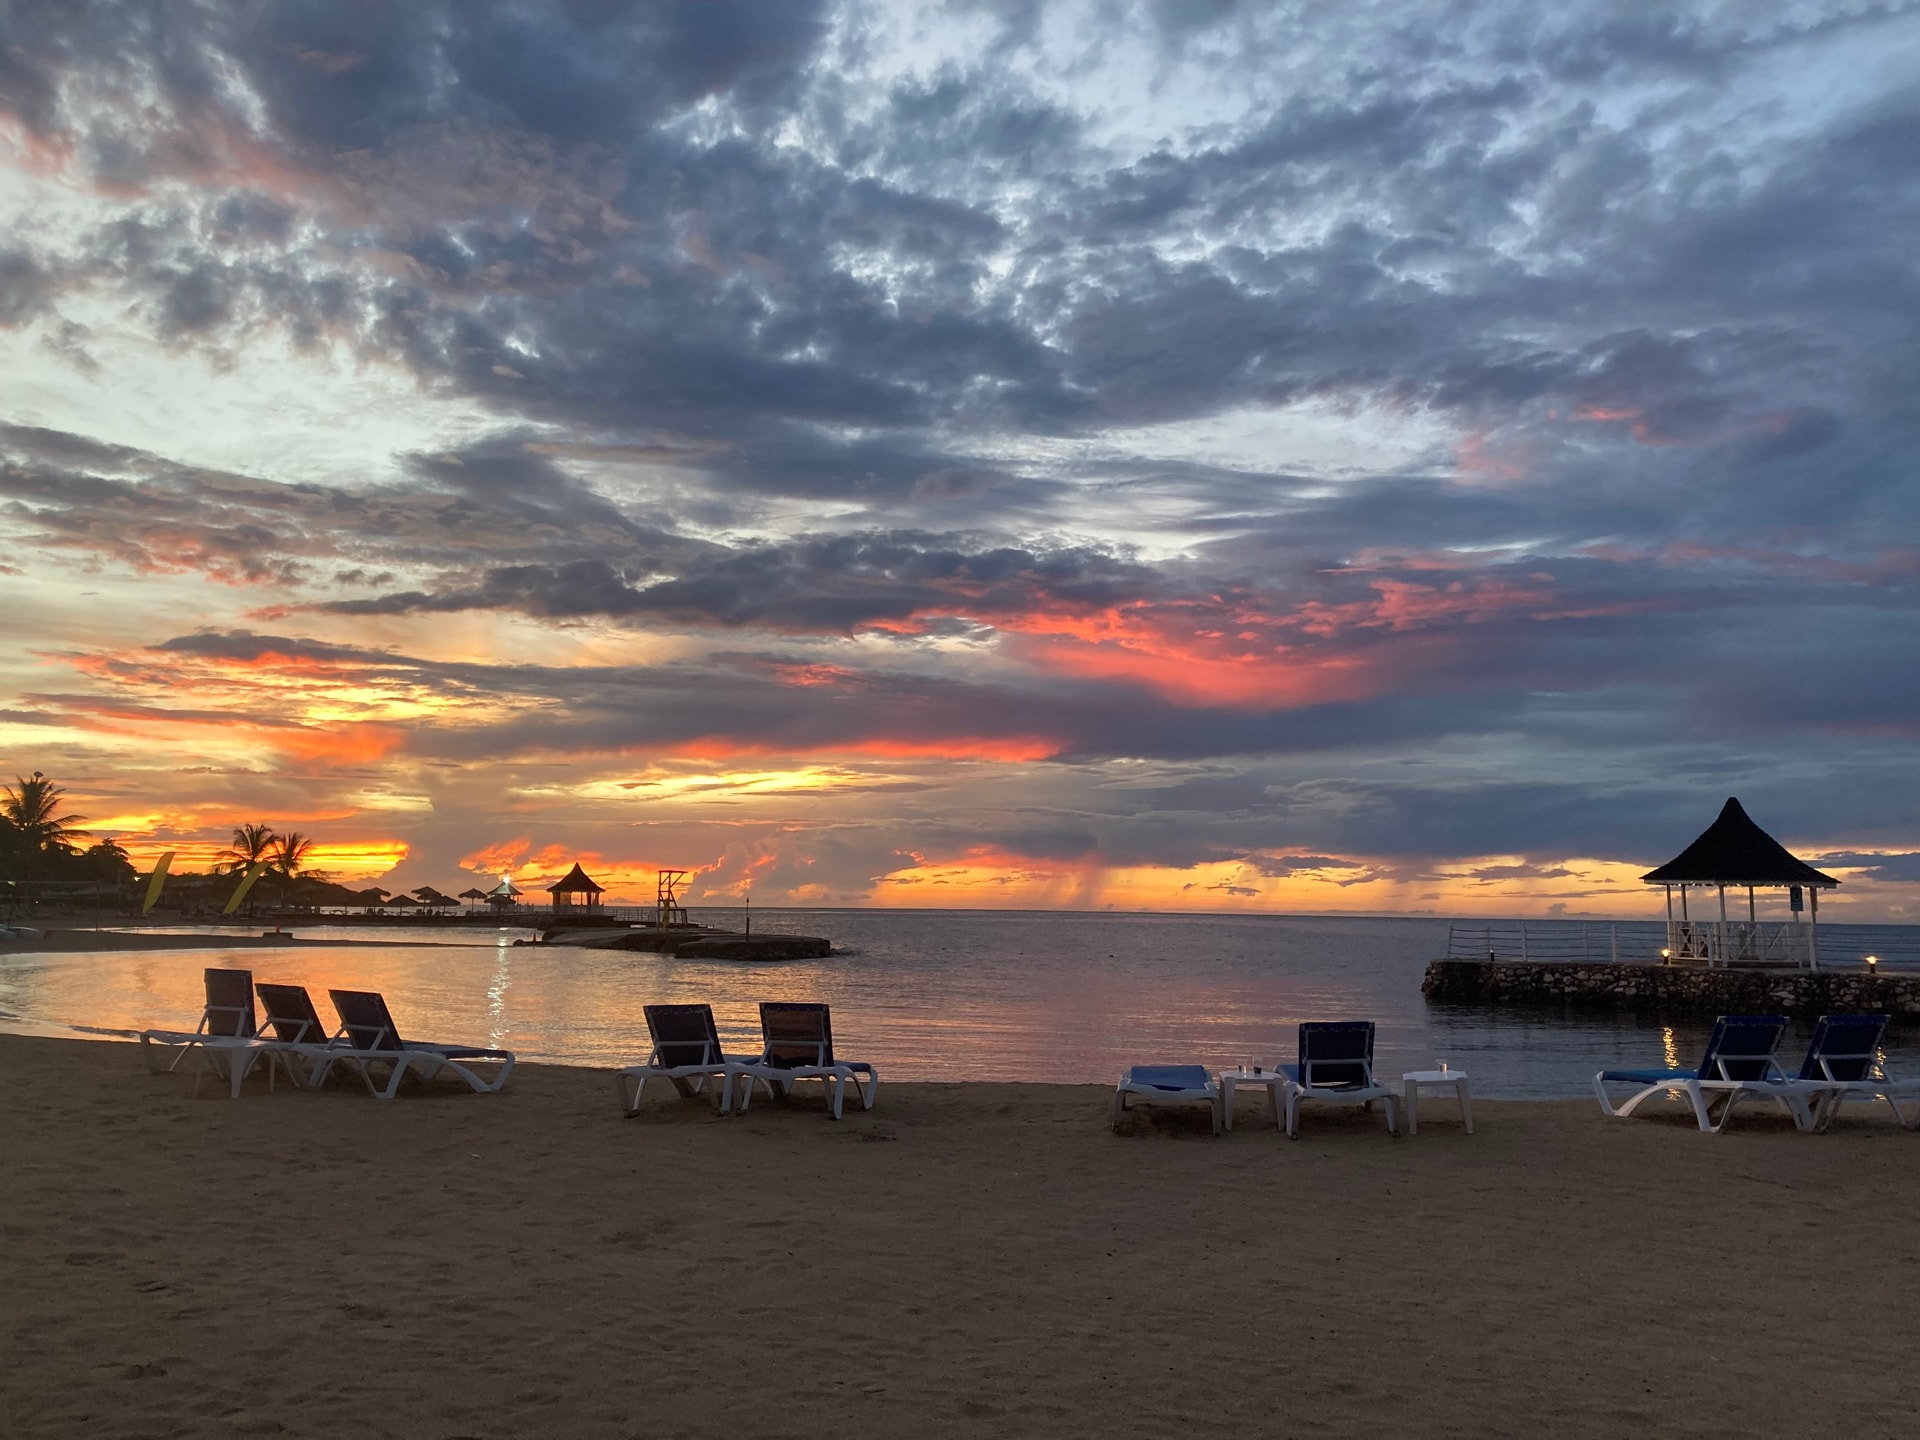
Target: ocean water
924	995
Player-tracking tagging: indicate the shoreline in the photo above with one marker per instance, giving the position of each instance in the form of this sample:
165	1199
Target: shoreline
69	940
967	1259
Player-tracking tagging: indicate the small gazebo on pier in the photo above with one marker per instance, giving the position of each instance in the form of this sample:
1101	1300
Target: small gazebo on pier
503	896
1733	851
576	890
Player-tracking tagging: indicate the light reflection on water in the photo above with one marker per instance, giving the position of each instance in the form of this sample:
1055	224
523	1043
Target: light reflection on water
924	995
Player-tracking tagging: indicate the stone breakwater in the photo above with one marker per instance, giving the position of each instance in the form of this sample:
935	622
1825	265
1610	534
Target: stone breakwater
1671	988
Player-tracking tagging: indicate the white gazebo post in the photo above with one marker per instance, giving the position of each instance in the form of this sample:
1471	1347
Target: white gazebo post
1720	943
1672	940
1813	928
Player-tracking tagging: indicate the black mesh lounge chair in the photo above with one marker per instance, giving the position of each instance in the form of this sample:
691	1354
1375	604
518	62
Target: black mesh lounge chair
371	1038
293	1032
1336	1067
687	1053
224	1037
799	1046
1844	1059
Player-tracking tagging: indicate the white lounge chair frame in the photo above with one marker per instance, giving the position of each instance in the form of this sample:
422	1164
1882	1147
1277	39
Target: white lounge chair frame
1875	1084
224	1037
780	1074
689	1078
1149	1093
1700	1091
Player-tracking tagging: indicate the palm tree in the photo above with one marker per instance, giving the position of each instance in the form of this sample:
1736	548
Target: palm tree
31	808
290	852
250	846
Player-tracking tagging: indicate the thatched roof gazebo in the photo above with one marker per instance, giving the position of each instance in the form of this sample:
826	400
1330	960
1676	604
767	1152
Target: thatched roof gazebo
576	890
1735	851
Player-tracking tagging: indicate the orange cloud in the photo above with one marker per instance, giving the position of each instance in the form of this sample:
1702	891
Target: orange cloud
337	744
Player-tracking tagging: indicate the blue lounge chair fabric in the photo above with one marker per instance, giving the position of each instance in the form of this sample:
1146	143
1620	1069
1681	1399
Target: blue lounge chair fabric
1844	1059
1167	1085
1336	1067
1738	1064
686	1053
797	1045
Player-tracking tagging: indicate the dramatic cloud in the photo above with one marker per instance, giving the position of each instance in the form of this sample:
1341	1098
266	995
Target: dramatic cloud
962	453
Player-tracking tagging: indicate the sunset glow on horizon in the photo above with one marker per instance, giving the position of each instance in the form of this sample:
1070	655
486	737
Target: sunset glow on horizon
920	456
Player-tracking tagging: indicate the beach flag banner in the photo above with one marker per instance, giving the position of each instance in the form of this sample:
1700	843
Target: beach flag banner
158	882
254	872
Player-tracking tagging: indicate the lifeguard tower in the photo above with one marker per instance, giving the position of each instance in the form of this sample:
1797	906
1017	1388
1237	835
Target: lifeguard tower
668	909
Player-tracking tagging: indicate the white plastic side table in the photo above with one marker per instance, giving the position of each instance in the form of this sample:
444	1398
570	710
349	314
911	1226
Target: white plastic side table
1454	1080
1271	1081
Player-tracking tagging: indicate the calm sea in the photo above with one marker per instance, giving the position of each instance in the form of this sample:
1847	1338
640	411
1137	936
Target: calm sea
925	995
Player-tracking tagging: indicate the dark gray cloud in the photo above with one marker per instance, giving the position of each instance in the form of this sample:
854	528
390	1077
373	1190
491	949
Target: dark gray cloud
24	287
782	352
1876	865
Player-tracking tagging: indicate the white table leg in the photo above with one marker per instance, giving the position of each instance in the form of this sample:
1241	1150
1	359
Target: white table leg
1227	1088
1466	1105
1413	1107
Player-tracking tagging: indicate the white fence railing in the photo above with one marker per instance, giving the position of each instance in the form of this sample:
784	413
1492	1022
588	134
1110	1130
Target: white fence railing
1841	947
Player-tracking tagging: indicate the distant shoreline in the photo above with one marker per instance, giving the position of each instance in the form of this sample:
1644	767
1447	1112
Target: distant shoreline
67	940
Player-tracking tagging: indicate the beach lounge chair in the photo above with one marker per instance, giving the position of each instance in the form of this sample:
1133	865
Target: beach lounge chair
371	1038
1844	1059
1336	1068
798	1039
1167	1085
224	1037
1738	1064
292	1031
687	1053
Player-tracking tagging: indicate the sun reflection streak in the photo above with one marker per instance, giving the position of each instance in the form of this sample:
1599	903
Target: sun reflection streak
497	983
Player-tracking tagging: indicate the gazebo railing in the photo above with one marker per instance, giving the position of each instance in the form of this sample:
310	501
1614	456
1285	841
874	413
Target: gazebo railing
1781	942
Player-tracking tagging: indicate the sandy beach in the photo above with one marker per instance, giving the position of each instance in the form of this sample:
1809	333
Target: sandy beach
965	1260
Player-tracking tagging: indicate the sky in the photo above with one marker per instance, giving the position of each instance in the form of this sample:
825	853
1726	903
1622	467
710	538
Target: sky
1281	457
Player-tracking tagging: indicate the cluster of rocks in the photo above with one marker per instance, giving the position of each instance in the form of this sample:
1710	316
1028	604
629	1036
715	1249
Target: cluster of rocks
1671	988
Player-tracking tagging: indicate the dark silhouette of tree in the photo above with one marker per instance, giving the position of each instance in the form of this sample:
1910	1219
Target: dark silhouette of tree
31	810
108	863
251	844
288	856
